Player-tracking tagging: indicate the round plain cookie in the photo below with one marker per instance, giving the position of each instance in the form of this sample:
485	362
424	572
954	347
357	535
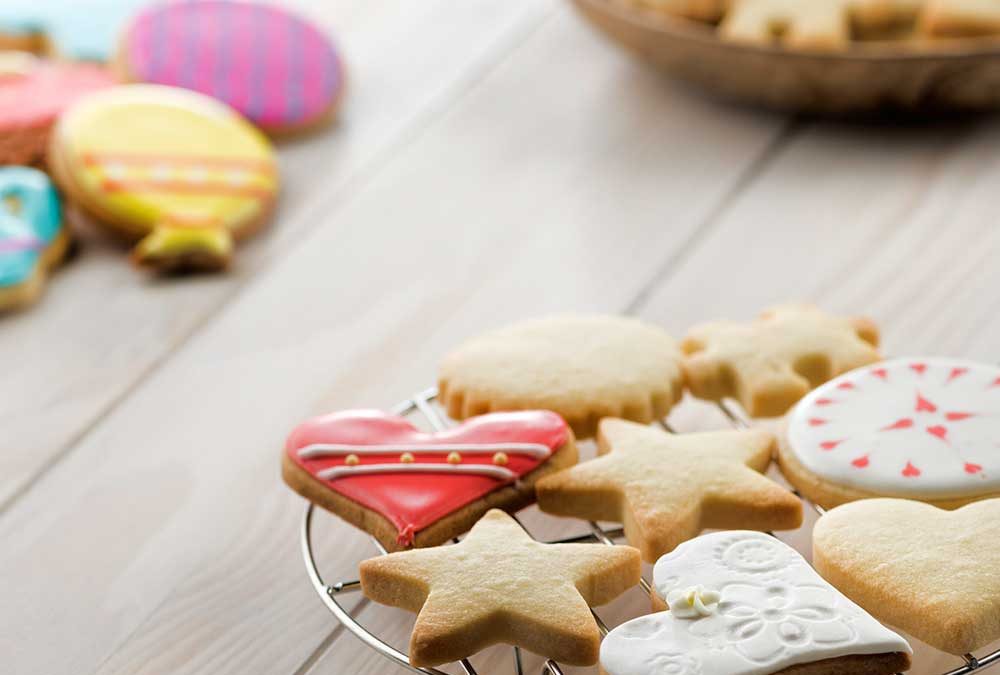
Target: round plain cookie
32	237
926	429
181	173
277	69
33	93
582	367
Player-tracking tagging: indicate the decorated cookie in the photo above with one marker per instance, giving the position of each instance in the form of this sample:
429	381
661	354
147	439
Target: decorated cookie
770	363
744	603
582	367
666	488
930	572
500	586
182	173
32	238
33	93
921	428
411	488
277	69
961	18
81	30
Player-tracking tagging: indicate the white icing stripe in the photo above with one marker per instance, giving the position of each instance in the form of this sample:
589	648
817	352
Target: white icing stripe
338	450
497	472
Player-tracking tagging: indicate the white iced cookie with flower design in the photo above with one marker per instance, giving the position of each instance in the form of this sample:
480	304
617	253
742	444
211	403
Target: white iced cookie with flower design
744	603
919	428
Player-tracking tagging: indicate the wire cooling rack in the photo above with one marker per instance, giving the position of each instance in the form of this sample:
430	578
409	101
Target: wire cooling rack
423	403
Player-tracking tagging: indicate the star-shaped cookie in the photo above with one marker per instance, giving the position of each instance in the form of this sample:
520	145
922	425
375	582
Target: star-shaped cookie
771	363
500	586
665	488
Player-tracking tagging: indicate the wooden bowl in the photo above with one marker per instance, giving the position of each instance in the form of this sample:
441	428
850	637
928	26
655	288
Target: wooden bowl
957	75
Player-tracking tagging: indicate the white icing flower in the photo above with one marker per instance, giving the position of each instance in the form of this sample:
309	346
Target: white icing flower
693	603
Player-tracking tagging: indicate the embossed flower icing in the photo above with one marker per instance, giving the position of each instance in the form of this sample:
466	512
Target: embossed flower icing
693	602
764	622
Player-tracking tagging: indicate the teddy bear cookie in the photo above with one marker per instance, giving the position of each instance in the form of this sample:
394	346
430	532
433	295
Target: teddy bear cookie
177	171
770	363
33	93
920	428
666	488
744	603
410	488
582	367
32	238
77	30
928	571
500	586
278	70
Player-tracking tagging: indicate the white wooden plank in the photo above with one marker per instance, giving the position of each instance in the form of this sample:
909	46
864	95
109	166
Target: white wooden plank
562	180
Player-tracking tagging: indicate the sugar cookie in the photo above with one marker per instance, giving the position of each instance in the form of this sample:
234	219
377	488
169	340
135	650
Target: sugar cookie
180	172
582	367
961	18
770	363
921	428
500	586
33	93
410	488
32	238
278	70
930	572
81	30
744	603
666	488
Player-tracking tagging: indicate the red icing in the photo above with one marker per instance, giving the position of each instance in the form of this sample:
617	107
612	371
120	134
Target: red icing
816	422
413	501
918	368
880	372
911	471
956	373
37	96
972	468
904	423
938	430
861	462
830	445
958	416
846	385
923	405
825	401
995	383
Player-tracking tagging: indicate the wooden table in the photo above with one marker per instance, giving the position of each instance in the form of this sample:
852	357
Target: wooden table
495	160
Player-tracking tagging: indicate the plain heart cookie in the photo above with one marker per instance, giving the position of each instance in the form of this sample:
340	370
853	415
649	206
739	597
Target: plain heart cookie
410	488
744	603
930	572
920	428
582	367
501	586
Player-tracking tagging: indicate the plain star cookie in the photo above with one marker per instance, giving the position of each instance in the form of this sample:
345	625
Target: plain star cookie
32	237
920	428
666	488
930	572
275	68
181	173
582	367
500	586
770	363
410	488
744	603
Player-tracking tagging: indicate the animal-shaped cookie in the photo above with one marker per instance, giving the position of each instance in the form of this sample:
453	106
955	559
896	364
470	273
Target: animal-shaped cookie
32	238
411	488
80	30
180	172
582	367
770	363
500	586
931	572
277	69
33	93
666	488
744	603
921	428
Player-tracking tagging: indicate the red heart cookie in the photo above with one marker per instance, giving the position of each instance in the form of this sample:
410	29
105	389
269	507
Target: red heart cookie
411	488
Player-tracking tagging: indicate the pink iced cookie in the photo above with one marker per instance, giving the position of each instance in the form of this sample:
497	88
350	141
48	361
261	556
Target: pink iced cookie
277	69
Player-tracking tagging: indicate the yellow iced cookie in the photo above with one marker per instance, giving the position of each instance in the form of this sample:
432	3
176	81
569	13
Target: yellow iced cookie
181	173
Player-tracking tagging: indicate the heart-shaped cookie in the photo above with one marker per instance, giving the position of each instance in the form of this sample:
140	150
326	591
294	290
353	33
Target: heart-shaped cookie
931	572
411	488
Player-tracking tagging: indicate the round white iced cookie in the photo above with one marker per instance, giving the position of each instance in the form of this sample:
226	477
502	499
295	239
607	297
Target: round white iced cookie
742	603
923	428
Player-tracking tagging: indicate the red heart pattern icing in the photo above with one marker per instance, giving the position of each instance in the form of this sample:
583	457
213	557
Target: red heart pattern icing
414	478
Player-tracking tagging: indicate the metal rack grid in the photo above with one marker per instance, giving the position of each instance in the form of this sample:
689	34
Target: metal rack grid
422	402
